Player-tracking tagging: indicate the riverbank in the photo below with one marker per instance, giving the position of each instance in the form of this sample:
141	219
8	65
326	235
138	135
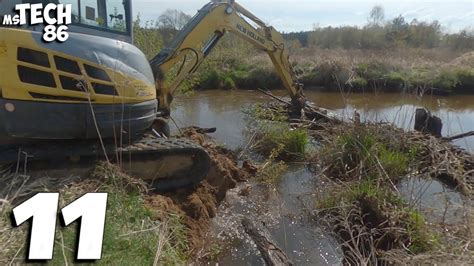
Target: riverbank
420	71
142	227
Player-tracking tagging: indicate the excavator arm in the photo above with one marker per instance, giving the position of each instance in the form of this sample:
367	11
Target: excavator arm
200	35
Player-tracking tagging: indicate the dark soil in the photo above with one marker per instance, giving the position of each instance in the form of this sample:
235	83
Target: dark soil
198	205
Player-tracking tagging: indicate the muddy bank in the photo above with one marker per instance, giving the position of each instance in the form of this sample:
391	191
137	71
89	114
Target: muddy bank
198	205
142	227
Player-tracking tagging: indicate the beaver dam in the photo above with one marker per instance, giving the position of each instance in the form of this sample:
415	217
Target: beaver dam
314	190
367	202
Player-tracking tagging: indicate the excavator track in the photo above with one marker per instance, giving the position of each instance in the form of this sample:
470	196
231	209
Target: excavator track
165	164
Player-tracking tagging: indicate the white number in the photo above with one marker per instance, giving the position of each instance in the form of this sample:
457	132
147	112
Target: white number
42	208
51	33
91	209
62	34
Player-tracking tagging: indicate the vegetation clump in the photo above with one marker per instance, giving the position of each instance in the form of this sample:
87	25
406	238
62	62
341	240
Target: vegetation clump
363	164
273	136
367	205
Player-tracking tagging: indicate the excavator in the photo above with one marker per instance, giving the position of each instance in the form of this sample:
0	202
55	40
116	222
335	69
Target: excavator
97	97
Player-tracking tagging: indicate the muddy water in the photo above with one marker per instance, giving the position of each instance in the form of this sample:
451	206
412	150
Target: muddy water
283	211
222	109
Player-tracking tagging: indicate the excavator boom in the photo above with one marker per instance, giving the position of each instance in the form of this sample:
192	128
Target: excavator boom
200	35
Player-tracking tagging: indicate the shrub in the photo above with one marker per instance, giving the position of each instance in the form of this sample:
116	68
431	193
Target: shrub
395	81
359	83
209	80
228	83
465	80
446	80
327	74
374	72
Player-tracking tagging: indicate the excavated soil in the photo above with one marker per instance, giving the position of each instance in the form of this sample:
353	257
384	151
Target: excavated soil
199	204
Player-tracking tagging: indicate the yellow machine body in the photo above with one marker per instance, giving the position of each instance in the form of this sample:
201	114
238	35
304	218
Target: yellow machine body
68	90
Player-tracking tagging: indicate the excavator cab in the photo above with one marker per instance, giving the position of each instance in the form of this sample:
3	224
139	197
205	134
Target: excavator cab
96	84
104	18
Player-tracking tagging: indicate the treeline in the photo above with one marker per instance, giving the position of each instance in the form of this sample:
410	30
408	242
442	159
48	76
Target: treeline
333	58
379	34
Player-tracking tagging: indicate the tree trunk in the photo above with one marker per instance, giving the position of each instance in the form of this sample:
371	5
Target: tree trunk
427	123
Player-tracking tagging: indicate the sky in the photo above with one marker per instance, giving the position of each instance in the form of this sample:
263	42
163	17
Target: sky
300	15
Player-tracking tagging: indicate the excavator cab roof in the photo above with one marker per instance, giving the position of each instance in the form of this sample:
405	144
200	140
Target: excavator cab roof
106	18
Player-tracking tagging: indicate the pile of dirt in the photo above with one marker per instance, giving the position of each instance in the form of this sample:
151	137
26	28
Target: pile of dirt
198	205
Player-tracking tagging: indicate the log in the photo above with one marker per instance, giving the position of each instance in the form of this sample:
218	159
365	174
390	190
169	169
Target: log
427	123
271	253
309	110
460	136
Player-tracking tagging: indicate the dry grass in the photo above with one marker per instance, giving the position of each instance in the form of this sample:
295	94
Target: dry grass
133	232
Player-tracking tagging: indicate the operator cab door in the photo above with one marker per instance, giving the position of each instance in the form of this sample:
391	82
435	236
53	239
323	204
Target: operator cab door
104	18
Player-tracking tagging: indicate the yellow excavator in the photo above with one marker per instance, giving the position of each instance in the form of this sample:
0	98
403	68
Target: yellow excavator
96	96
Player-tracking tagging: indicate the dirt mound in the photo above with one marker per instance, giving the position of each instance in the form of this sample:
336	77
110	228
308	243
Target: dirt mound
199	204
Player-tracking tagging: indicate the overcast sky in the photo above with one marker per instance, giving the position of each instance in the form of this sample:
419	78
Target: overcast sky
296	15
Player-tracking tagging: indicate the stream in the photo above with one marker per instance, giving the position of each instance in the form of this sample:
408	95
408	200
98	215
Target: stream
284	210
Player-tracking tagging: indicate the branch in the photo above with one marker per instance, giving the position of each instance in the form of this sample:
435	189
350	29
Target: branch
460	136
271	253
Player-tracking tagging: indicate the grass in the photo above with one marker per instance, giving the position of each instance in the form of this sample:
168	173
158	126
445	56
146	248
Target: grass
335	69
135	234
137	231
273	135
334	74
383	204
289	143
362	151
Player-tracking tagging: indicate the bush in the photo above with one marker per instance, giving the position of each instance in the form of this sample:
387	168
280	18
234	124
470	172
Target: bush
327	74
228	83
374	72
465	80
446	80
395	81
210	79
359	83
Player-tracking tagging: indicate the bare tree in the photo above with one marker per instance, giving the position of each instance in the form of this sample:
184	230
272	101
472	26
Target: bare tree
173	19
376	15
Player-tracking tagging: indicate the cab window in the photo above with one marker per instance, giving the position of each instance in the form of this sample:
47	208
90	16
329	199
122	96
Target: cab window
105	14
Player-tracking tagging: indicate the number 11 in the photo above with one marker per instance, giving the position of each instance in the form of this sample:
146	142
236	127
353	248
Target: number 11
42	210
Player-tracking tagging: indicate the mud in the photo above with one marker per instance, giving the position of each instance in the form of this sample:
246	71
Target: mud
198	205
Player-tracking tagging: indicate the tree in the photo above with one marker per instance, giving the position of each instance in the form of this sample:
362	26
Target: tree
172	19
377	15
146	37
398	31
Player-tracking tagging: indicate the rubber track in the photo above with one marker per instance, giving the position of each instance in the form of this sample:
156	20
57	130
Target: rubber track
146	148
